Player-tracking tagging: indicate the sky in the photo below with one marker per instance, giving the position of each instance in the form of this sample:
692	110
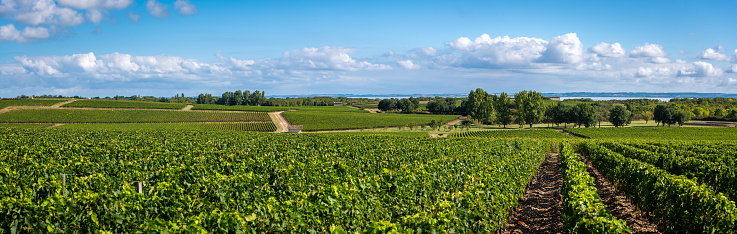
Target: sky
167	47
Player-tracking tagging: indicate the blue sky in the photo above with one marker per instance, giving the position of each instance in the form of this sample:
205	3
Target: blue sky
161	48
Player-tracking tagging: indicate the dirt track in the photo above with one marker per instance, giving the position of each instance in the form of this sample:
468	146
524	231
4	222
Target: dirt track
541	207
281	122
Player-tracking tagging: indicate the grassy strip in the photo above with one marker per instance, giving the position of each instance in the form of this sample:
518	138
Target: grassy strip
276	108
127	116
378	133
313	120
721	177
94	103
583	210
251	126
30	102
25	126
676	203
657	133
530	133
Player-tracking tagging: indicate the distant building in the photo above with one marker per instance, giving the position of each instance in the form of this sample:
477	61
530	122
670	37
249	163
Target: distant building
337	103
353	103
554	98
294	128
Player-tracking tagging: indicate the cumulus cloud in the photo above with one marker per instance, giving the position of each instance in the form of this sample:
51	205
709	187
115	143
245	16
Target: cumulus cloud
96	4
10	33
408	64
608	50
428	51
700	69
712	54
649	71
157	9
648	50
564	49
484	50
326	58
185	8
235	63
734	68
134	17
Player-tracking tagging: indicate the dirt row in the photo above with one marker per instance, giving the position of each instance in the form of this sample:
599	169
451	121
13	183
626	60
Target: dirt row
540	210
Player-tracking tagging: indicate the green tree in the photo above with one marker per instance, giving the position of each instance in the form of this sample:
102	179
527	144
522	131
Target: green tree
619	116
586	115
480	106
503	112
529	106
647	116
388	104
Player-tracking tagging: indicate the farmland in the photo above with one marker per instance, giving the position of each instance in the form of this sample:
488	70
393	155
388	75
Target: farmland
93	103
29	102
313	120
248	126
225	182
276	108
127	116
542	133
656	133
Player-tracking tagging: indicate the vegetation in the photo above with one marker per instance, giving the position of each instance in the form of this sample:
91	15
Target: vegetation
583	211
529	107
537	134
29	102
23	125
313	120
619	116
480	106
99	103
681	133
276	108
87	181
406	105
128	116
250	126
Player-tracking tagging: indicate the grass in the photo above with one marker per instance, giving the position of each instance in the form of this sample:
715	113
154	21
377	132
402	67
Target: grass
127	116
315	121
30	102
93	103
657	133
251	126
23	126
530	133
275	108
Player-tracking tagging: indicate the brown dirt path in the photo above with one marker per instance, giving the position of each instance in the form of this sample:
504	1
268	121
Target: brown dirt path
53	125
619	204
188	108
540	211
281	122
58	105
455	121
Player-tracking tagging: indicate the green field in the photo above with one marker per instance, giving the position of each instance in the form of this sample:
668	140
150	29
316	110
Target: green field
657	133
23	125
128	116
250	126
527	133
224	182
94	103
313	121
30	102
275	108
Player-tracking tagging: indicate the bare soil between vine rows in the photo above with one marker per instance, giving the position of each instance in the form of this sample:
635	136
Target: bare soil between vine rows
540	210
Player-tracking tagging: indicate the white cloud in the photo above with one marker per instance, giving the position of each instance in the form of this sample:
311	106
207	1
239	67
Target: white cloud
700	69
40	12
608	50
649	71
712	54
134	17
95	16
564	49
408	64
660	60
326	58
485	51
185	8
10	33
157	9
235	63
429	51
648	50
95	4
734	56
734	68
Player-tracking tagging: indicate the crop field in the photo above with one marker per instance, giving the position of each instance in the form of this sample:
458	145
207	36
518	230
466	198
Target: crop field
541	133
93	103
682	195
30	102
257	182
657	133
313	121
415	134
23	125
249	126
276	108
128	116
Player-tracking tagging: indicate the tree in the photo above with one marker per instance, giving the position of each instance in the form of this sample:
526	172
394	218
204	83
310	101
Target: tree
662	114
647	116
408	105
529	106
503	113
619	116
480	106
388	104
466	123
586	115
602	113
560	114
433	124
682	117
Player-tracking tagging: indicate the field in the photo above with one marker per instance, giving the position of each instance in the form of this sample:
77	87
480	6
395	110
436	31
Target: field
314	121
93	103
253	182
30	102
127	116
23	125
249	126
275	108
541	133
657	133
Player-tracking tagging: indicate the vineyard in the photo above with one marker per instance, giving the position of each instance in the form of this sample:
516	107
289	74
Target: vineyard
543	133
128	116
94	103
176	181
276	108
315	120
248	126
29	102
657	133
23	125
